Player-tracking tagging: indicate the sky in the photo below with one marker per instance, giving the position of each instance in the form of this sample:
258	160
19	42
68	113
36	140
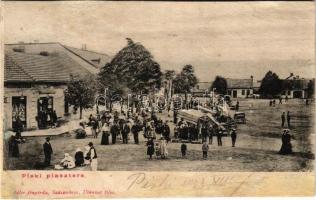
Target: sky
231	39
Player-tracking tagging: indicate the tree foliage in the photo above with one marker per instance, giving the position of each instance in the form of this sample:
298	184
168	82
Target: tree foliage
81	92
185	80
169	74
132	69
220	85
271	85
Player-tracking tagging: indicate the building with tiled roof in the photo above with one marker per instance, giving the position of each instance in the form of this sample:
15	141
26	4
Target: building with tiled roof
240	88
35	78
97	59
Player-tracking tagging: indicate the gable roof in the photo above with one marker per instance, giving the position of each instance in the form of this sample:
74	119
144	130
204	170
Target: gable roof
239	83
97	59
57	66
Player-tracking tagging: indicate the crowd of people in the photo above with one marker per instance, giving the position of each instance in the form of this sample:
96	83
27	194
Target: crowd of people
121	127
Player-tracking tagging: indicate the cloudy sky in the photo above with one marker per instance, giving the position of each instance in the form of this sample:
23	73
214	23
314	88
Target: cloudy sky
236	40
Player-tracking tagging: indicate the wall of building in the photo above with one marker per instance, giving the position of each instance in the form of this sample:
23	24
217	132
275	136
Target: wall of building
32	95
241	93
294	94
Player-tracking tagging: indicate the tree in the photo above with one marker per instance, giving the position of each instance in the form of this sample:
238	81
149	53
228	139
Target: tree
81	92
185	81
170	74
271	85
311	88
132	69
220	84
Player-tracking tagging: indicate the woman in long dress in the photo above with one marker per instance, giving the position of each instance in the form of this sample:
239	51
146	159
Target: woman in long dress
150	148
286	147
105	134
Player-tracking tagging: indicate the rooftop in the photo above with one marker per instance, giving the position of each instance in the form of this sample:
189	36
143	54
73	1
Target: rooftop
43	62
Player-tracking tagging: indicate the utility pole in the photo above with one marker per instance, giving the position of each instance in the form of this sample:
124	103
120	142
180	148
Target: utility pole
105	89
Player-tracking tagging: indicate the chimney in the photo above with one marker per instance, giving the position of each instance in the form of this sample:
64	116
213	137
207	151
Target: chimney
251	77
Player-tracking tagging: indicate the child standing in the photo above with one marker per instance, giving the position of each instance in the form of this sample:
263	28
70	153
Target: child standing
205	150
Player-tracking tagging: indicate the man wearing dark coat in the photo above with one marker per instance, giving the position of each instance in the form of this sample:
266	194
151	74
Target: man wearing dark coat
125	132
135	130
283	119
204	132
114	132
166	131
47	151
219	138
288	119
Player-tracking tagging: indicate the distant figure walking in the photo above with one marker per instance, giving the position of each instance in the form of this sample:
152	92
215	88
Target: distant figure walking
286	147
183	149
282	119
233	135
48	151
219	138
280	100
205	150
237	106
288	119
270	103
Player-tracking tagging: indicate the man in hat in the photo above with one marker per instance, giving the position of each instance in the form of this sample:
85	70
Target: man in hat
125	131
92	156
48	150
233	135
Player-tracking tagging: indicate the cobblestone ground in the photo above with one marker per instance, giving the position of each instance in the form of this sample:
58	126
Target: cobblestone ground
258	143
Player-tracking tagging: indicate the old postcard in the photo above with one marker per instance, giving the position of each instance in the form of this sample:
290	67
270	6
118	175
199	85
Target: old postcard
157	99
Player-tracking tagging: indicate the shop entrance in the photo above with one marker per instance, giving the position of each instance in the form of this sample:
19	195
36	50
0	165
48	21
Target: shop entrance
44	111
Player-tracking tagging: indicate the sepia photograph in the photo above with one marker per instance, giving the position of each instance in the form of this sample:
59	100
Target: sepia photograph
158	87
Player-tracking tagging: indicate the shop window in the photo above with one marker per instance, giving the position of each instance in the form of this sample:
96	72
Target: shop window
19	110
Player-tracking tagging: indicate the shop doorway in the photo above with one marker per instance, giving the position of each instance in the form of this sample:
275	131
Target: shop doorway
44	111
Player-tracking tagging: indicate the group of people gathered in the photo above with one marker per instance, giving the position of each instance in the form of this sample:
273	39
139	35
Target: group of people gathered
192	132
46	118
80	159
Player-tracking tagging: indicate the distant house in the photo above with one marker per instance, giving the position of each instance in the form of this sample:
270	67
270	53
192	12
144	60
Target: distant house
201	89
35	78
295	87
240	88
